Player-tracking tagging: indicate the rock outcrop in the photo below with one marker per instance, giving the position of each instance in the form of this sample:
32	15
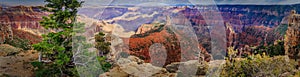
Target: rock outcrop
93	26
189	68
292	37
144	28
140	45
8	33
133	67
166	43
231	35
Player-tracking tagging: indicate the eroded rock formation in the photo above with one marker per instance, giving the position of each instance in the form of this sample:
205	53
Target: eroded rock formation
292	37
23	18
144	28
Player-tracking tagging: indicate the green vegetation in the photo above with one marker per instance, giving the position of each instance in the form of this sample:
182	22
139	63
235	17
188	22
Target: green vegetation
105	66
258	65
101	44
297	74
157	28
272	50
103	49
19	43
89	64
282	29
7	50
57	46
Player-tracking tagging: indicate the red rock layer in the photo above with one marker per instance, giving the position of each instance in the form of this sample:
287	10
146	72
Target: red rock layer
22	17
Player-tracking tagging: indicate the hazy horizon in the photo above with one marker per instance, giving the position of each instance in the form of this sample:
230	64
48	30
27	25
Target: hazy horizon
157	2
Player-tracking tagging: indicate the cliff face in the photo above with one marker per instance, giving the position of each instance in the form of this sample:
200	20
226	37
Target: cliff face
21	22
164	44
141	45
23	18
231	35
292	38
244	26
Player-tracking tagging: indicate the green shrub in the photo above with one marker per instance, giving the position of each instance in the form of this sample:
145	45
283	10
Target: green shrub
105	66
257	65
8	50
103	48
157	28
101	44
272	50
19	43
297	74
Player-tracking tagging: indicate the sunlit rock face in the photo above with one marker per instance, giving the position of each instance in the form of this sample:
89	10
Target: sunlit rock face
144	28
140	46
292	38
23	22
24	18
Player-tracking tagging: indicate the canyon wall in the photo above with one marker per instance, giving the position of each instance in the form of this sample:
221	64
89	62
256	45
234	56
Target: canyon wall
23	18
22	22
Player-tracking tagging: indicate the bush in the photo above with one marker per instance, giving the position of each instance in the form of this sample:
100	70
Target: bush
19	43
105	66
8	50
103	48
272	50
257	65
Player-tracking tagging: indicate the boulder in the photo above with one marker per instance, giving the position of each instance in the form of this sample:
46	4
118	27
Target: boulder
189	68
135	67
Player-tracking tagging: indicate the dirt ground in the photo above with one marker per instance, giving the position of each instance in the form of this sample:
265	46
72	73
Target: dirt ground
15	62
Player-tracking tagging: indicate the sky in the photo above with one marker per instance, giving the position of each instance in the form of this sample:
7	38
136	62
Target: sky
168	2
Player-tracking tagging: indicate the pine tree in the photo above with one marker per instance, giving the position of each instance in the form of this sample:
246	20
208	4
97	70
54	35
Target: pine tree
101	44
56	47
103	48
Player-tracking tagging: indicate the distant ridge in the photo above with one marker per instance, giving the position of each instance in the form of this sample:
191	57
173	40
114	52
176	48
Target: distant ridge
126	5
3	5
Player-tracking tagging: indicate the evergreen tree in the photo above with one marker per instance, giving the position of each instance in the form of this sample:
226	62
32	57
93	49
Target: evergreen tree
101	44
56	47
103	49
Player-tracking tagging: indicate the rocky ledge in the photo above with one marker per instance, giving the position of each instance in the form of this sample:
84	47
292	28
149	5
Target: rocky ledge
134	67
